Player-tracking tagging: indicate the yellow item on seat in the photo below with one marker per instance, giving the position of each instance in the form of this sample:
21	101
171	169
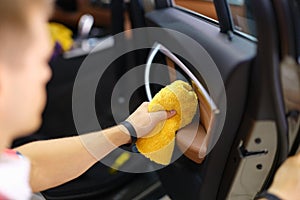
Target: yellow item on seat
158	146
62	35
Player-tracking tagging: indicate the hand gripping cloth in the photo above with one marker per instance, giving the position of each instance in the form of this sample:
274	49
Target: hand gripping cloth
158	146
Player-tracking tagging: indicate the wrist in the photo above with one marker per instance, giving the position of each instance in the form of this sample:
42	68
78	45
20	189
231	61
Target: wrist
130	130
125	134
118	136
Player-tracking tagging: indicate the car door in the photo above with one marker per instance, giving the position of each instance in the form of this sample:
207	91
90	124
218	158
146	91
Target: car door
248	44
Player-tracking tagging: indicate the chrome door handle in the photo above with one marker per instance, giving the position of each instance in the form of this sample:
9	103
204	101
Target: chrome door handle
159	47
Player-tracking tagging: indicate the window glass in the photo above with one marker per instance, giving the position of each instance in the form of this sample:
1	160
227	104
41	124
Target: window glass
242	16
241	11
204	7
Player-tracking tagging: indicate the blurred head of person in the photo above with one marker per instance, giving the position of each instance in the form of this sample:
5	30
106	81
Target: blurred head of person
24	71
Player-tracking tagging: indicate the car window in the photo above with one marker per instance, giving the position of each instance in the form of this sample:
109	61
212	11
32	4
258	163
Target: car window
242	16
204	7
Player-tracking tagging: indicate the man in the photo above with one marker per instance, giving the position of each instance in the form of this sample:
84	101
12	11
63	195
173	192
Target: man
24	72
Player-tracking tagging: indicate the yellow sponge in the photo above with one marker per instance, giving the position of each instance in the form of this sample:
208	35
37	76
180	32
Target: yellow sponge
158	146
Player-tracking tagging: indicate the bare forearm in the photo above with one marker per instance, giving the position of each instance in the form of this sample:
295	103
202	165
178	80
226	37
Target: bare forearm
55	162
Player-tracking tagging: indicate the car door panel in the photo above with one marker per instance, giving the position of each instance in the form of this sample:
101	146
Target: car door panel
233	57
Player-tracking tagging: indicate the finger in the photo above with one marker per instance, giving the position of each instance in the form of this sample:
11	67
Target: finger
162	115
171	113
158	116
143	106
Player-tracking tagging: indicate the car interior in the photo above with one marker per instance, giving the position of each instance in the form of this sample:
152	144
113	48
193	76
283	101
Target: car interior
255	47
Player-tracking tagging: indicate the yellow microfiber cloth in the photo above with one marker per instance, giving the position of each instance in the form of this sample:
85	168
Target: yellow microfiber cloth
158	146
62	35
